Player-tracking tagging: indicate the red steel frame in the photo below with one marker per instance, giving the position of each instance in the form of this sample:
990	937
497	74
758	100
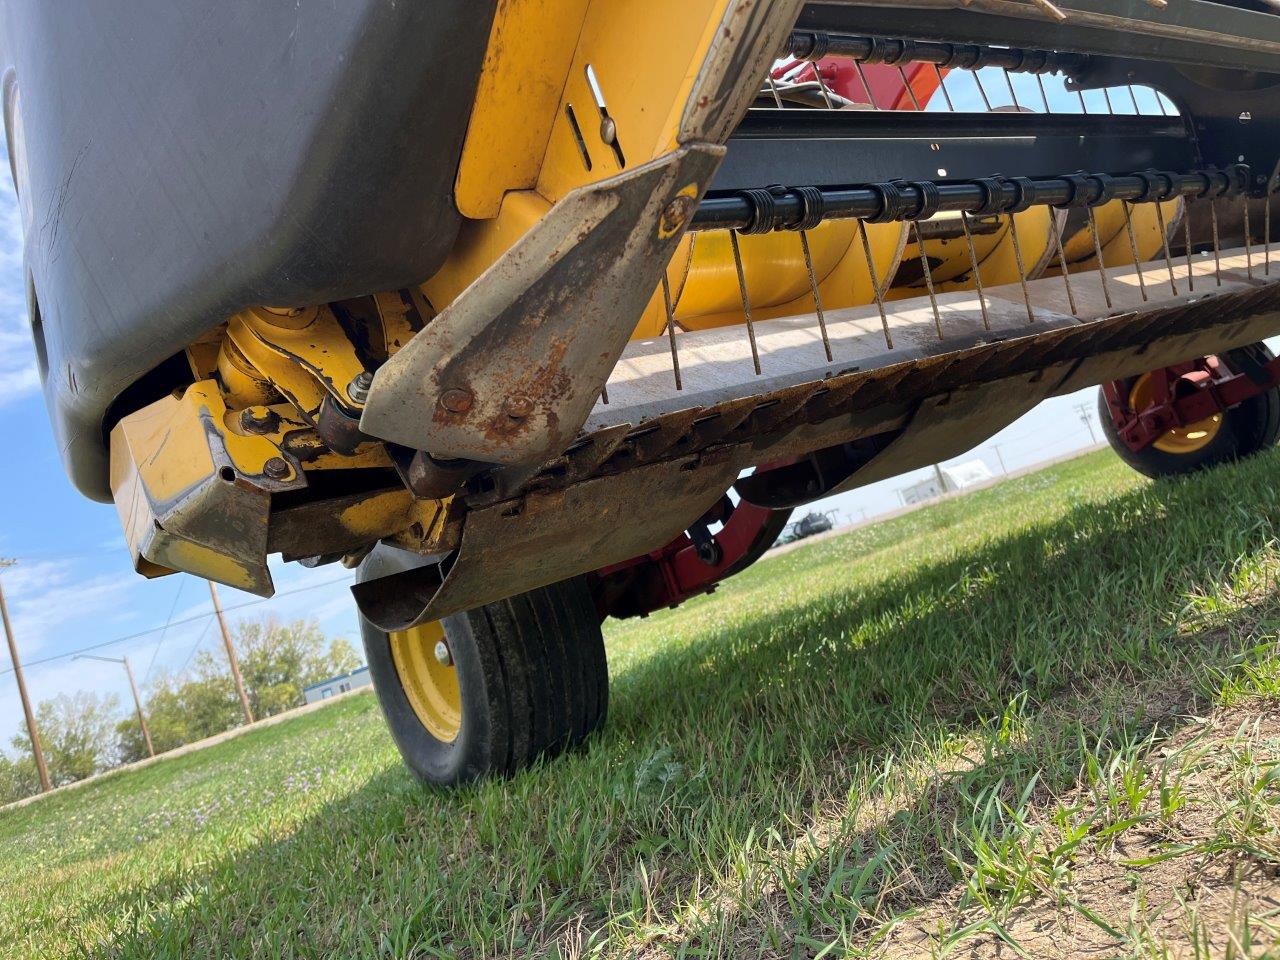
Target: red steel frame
1189	392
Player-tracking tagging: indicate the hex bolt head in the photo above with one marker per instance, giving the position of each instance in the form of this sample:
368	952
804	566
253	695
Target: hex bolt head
517	407
276	468
443	655
456	400
676	214
259	420
358	388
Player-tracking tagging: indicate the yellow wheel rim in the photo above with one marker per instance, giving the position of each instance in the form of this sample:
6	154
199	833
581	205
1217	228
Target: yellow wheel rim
431	686
1179	440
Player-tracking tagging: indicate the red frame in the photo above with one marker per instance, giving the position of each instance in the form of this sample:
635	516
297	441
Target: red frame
1189	392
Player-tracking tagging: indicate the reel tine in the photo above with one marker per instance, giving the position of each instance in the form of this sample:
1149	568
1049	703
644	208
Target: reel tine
813	287
1022	269
773	88
1217	250
1106	96
1066	274
1266	237
928	279
875	283
604	394
1248	248
1012	94
1164	240
671	330
946	95
977	273
1133	248
915	102
1043	95
1097	253
1084	107
822	86
871	97
746	300
977	78
1186	242
1133	95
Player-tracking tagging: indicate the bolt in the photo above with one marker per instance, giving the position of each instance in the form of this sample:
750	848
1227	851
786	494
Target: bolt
676	214
443	656
259	420
276	468
517	407
608	130
456	400
358	388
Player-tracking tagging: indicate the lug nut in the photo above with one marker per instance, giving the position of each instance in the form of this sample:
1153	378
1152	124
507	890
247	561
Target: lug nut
443	656
456	400
358	388
276	468
517	407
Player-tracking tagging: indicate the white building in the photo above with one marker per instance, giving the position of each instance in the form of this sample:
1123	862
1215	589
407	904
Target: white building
959	477
325	689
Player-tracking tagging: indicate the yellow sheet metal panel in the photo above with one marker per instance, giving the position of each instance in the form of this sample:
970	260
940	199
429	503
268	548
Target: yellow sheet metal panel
530	47
625	87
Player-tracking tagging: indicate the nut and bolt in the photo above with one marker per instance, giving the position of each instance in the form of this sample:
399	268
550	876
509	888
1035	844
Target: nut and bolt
276	468
259	420
358	388
456	400
608	130
443	656
517	407
677	214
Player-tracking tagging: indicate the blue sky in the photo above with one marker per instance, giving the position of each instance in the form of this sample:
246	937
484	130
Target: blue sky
74	586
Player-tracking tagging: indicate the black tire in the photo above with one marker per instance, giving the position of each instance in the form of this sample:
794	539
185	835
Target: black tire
1246	429
531	677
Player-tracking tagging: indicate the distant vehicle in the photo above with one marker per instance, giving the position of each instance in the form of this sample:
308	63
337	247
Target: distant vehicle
807	526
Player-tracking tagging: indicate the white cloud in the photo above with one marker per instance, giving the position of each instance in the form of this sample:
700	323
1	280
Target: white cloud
19	376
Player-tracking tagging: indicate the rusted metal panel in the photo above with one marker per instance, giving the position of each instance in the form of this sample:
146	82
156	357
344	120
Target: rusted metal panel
510	370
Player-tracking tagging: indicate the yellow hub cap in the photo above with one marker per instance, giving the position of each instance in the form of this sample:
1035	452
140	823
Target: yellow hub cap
429	678
1186	439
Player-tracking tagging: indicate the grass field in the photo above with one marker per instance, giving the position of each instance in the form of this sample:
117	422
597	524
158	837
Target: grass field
1039	720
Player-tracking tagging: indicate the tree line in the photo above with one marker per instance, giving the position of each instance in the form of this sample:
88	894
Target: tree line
86	733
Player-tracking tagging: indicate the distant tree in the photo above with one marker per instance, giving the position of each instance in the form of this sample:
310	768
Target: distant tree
17	778
276	662
77	732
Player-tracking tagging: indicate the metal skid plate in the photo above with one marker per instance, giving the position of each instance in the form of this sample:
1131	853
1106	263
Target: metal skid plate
509	371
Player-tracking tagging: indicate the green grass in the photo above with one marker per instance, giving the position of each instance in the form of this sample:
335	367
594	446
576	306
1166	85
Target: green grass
943	721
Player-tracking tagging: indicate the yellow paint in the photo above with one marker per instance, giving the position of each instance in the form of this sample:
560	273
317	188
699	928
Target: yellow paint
304	362
1113	236
777	278
430	686
1179	440
379	515
531	44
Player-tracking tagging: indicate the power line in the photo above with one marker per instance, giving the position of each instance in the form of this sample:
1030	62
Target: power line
177	623
196	646
173	608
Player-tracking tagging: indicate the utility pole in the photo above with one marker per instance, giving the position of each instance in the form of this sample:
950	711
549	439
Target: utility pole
231	654
942	480
1088	422
1000	457
137	701
36	750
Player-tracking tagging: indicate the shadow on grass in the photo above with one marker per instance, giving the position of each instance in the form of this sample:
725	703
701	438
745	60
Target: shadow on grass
761	726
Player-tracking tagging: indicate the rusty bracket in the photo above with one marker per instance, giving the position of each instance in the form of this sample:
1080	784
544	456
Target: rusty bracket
509	372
